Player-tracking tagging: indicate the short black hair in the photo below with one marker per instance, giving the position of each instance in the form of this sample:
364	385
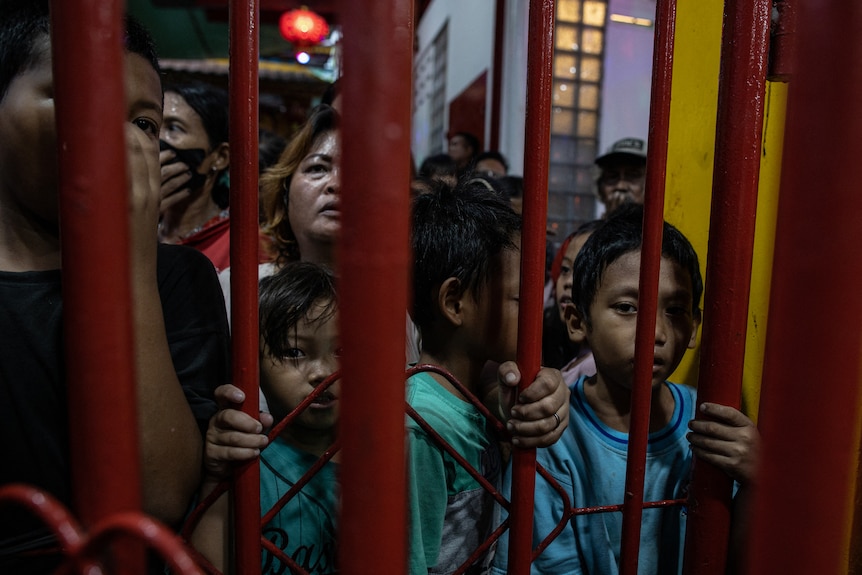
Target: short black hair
620	234
286	298
456	232
24	22
438	165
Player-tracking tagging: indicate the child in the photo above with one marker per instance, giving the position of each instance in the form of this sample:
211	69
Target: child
179	324
299	350
571	358
589	461
466	249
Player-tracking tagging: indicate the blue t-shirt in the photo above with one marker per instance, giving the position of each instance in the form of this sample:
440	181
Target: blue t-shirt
589	462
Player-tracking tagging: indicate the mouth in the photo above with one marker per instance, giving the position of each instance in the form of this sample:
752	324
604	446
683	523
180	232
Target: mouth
331	209
325	399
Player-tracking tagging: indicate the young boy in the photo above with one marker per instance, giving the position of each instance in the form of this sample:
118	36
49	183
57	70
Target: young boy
299	350
466	277
179	326
589	461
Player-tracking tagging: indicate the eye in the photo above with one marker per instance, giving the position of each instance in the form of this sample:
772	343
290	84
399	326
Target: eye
317	169
677	310
147	126
565	270
293	353
338	352
625	308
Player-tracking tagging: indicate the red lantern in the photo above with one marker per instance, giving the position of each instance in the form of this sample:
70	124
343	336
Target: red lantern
303	27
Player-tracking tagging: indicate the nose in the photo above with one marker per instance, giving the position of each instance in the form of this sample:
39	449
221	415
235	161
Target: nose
661	329
334	184
321	368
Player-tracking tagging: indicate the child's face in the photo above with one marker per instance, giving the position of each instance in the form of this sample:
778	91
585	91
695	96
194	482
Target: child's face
498	303
611	335
313	356
28	154
563	287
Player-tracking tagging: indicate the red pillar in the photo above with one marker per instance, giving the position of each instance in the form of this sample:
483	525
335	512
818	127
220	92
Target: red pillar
741	104
648	285
244	49
94	210
810	403
373	259
540	58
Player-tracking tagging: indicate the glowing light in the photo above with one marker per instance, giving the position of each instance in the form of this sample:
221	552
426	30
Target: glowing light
303	57
622	19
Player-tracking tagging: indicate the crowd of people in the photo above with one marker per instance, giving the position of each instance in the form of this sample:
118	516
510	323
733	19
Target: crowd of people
465	241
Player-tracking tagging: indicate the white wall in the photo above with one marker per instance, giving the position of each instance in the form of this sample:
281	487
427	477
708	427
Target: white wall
627	74
470	52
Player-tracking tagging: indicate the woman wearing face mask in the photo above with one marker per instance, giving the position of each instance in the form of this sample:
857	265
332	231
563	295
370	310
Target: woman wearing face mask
195	157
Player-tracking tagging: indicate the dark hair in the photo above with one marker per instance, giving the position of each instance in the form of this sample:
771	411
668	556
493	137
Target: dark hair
512	186
24	22
269	147
621	234
493	155
456	232
288	296
438	165
275	182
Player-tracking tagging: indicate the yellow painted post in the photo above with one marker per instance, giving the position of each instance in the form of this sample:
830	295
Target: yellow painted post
688	192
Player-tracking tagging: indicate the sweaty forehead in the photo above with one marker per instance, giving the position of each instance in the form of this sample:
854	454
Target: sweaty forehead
143	84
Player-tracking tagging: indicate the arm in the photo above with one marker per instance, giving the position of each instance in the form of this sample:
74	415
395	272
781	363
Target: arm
730	441
531	412
170	442
232	436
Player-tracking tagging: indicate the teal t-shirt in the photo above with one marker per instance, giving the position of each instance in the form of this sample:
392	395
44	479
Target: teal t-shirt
305	528
450	513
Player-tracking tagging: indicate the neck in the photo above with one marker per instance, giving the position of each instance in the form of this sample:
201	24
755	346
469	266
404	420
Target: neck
27	244
466	370
317	253
612	404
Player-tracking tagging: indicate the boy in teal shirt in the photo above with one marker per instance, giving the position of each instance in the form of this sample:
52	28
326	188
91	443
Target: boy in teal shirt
466	280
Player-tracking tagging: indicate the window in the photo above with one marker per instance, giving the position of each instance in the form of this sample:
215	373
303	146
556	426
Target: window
576	96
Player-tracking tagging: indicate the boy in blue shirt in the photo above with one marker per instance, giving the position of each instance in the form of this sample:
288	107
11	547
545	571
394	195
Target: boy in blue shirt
589	461
466	280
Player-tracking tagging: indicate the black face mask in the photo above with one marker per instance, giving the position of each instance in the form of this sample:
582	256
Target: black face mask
192	157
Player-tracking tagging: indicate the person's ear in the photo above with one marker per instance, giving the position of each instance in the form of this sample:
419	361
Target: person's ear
450	301
221	157
576	325
692	342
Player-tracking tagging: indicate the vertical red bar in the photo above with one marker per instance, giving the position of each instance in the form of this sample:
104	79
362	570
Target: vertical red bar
244	49
540	58
739	128
662	76
94	210
810	406
373	259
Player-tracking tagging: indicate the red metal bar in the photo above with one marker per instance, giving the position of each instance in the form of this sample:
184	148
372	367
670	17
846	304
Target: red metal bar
244	50
810	406
741	105
94	210
662	77
781	56
372	258
497	79
540	59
